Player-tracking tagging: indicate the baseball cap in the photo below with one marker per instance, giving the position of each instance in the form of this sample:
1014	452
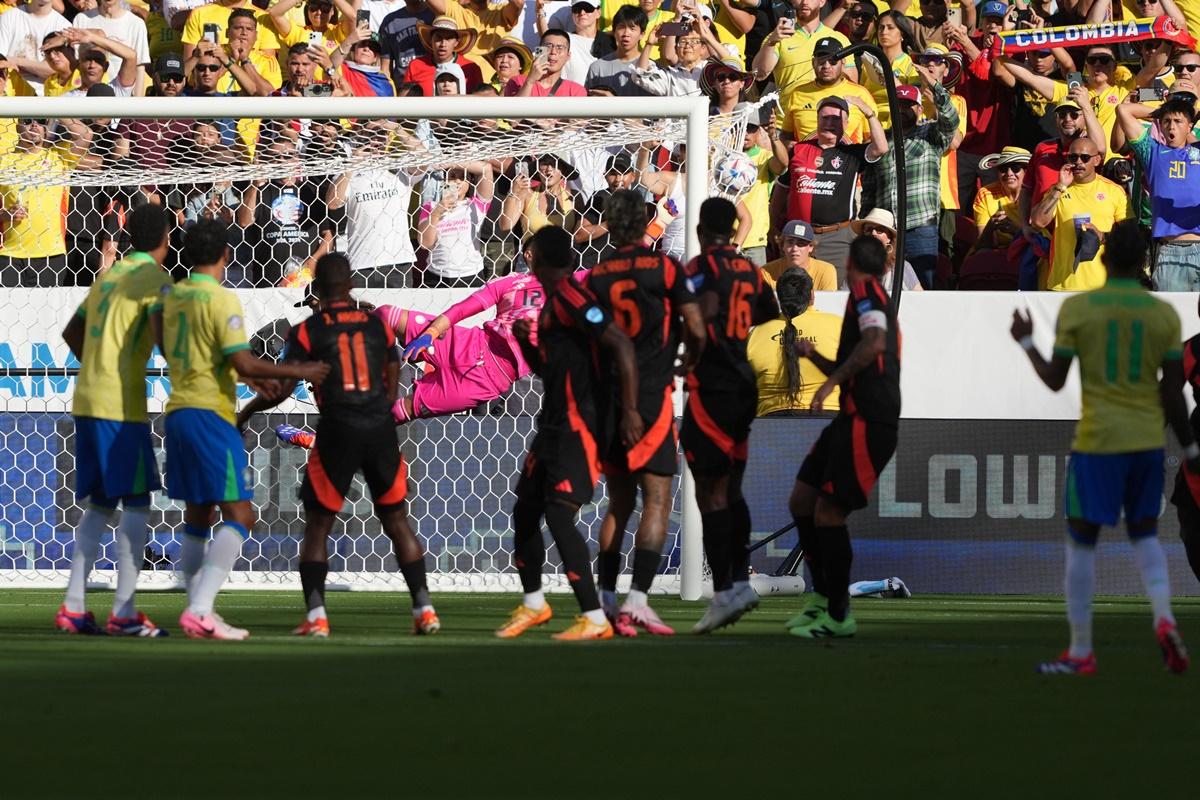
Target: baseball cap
620	163
908	94
867	8
581	5
1068	103
798	229
826	46
169	64
993	8
101	90
831	100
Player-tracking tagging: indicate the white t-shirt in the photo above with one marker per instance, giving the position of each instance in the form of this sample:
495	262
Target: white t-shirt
526	26
126	28
378	231
458	253
674	236
118	89
170	8
581	58
21	35
380	9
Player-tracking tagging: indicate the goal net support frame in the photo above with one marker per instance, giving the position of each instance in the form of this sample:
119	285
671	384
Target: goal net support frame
691	112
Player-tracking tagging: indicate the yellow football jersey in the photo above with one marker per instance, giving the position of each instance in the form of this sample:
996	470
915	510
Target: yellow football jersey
795	66
1099	202
118	339
203	325
1121	334
800	111
766	359
43	232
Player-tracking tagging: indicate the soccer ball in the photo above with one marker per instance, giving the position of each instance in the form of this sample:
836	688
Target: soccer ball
734	175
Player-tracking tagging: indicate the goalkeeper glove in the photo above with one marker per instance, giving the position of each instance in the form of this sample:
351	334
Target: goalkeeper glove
418	347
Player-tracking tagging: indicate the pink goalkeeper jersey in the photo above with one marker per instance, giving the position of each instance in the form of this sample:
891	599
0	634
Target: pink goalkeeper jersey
517	296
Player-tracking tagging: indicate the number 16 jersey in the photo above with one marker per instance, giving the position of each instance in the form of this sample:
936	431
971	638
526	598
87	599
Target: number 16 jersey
1122	334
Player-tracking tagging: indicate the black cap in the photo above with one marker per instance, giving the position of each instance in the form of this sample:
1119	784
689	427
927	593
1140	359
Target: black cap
827	46
867	7
168	64
94	54
833	100
620	163
101	90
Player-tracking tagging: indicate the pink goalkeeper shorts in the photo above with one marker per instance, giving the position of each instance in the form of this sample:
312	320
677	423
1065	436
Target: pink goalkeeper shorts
463	370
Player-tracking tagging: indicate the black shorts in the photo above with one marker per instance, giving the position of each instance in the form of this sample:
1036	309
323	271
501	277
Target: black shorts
342	451
847	458
658	449
561	464
716	430
1186	499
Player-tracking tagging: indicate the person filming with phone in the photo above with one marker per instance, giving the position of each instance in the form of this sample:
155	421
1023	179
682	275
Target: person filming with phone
545	78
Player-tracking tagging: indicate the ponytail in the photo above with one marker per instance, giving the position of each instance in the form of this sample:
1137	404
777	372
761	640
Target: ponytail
794	290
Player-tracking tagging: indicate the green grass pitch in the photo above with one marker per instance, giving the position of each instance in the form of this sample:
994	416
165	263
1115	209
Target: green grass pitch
936	697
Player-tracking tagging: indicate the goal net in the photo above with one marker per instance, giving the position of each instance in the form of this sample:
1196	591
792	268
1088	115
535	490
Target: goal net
430	197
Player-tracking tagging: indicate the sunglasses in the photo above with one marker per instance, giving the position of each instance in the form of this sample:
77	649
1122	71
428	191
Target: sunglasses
36	121
1015	169
861	15
1188	67
1099	59
1068	114
925	61
171	78
1078	158
727	77
208	67
821	61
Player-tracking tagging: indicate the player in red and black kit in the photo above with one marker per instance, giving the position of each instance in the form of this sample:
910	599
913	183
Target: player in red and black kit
648	295
356	433
1186	496
840	471
721	404
563	464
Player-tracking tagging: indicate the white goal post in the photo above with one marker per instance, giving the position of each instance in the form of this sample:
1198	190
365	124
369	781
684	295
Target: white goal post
36	372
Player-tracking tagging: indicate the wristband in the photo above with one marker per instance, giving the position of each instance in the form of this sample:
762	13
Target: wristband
1191	452
1026	343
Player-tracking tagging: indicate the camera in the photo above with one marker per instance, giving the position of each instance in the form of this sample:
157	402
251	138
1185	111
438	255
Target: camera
317	90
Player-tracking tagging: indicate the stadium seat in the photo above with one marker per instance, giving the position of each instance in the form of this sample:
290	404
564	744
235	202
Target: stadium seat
988	271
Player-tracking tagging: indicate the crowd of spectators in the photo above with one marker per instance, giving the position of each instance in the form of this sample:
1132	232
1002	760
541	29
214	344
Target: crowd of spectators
1016	165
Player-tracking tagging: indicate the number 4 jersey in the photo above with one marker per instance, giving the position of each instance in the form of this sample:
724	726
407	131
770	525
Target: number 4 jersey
1122	334
357	346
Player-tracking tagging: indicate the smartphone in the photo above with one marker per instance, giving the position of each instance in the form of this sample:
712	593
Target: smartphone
212	33
674	28
317	90
782	9
363	18
521	170
1025	16
1151	94
449	194
539	53
315	38
954	14
1074	79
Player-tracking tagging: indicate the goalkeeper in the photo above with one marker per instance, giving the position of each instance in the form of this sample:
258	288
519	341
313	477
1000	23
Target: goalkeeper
463	366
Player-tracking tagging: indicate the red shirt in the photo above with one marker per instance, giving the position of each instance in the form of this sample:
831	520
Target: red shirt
989	108
565	88
422	70
1044	167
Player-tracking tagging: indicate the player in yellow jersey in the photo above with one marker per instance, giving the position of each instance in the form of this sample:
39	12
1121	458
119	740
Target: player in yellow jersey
1122	336
204	337
112	333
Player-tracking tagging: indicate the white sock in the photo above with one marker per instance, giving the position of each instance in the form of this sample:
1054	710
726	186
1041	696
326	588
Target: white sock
191	558
636	599
535	600
316	614
1152	562
222	554
1081	583
87	549
596	616
131	547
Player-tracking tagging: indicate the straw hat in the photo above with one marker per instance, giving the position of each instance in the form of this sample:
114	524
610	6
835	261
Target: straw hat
1009	155
707	76
879	217
466	36
514	44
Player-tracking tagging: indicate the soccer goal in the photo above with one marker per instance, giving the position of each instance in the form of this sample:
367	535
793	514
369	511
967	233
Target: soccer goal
431	197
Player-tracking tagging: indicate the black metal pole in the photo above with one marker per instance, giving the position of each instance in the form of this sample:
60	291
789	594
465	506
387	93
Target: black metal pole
897	148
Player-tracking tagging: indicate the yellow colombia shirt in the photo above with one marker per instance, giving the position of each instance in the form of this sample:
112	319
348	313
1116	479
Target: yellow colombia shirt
1121	334
800	112
118	339
41	233
1099	202
766	359
203	325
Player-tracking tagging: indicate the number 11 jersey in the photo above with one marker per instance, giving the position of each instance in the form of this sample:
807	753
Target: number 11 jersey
1122	334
